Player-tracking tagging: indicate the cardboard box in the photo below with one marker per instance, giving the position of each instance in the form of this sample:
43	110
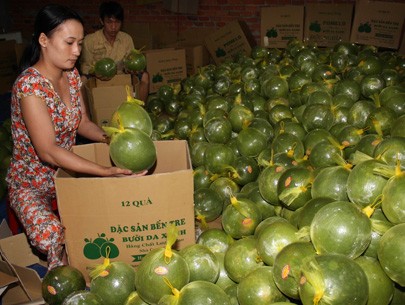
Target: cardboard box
165	66
326	24
103	97
20	283
189	7
131	213
196	57
228	41
378	23
142	35
280	24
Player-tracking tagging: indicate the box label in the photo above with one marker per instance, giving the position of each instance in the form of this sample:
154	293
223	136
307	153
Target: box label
280	24
327	24
378	23
227	42
166	66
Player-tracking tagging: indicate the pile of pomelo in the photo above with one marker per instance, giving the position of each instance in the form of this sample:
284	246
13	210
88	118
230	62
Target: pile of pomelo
298	159
299	179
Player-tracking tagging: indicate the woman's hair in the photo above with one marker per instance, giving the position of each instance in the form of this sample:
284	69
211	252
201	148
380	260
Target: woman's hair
111	9
46	21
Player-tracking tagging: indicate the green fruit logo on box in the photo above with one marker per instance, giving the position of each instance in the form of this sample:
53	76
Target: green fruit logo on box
315	27
157	78
272	33
220	52
364	28
100	247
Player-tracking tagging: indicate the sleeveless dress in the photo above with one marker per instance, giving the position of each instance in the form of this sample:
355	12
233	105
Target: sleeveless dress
30	180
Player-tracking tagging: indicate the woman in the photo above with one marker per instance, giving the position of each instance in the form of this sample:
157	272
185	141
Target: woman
47	113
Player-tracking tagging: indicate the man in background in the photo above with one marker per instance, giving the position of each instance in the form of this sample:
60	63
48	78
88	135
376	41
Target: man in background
111	42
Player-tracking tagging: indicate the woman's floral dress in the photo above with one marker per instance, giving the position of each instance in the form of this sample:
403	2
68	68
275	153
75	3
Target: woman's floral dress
30	180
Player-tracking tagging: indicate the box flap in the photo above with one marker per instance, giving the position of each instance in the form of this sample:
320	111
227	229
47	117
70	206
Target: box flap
26	290
18	250
6	279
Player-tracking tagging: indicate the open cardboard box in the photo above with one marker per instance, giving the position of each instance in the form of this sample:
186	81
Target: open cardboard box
20	282
104	97
128	214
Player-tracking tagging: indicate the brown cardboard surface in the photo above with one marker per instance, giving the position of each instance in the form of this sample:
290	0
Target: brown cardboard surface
24	284
104	97
132	213
378	23
141	34
280	24
328	23
228	41
165	66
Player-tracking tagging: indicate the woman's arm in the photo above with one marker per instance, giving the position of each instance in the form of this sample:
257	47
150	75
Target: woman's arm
42	134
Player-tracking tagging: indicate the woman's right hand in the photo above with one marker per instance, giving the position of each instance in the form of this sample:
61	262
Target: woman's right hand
121	172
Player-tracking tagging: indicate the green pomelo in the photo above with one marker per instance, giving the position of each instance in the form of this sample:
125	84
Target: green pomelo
135	61
134	299
391	253
133	149
380	286
340	227
268	221
363	185
331	182
218	130
250	142
259	288
105	68
207	204
223	280
268	181
390	150
294	187
273	238
200	293
241	217
332	279
82	297
308	211
287	267
201	177
393	200
60	282
154	269
115	283
241	258
217	157
215	239
132	115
